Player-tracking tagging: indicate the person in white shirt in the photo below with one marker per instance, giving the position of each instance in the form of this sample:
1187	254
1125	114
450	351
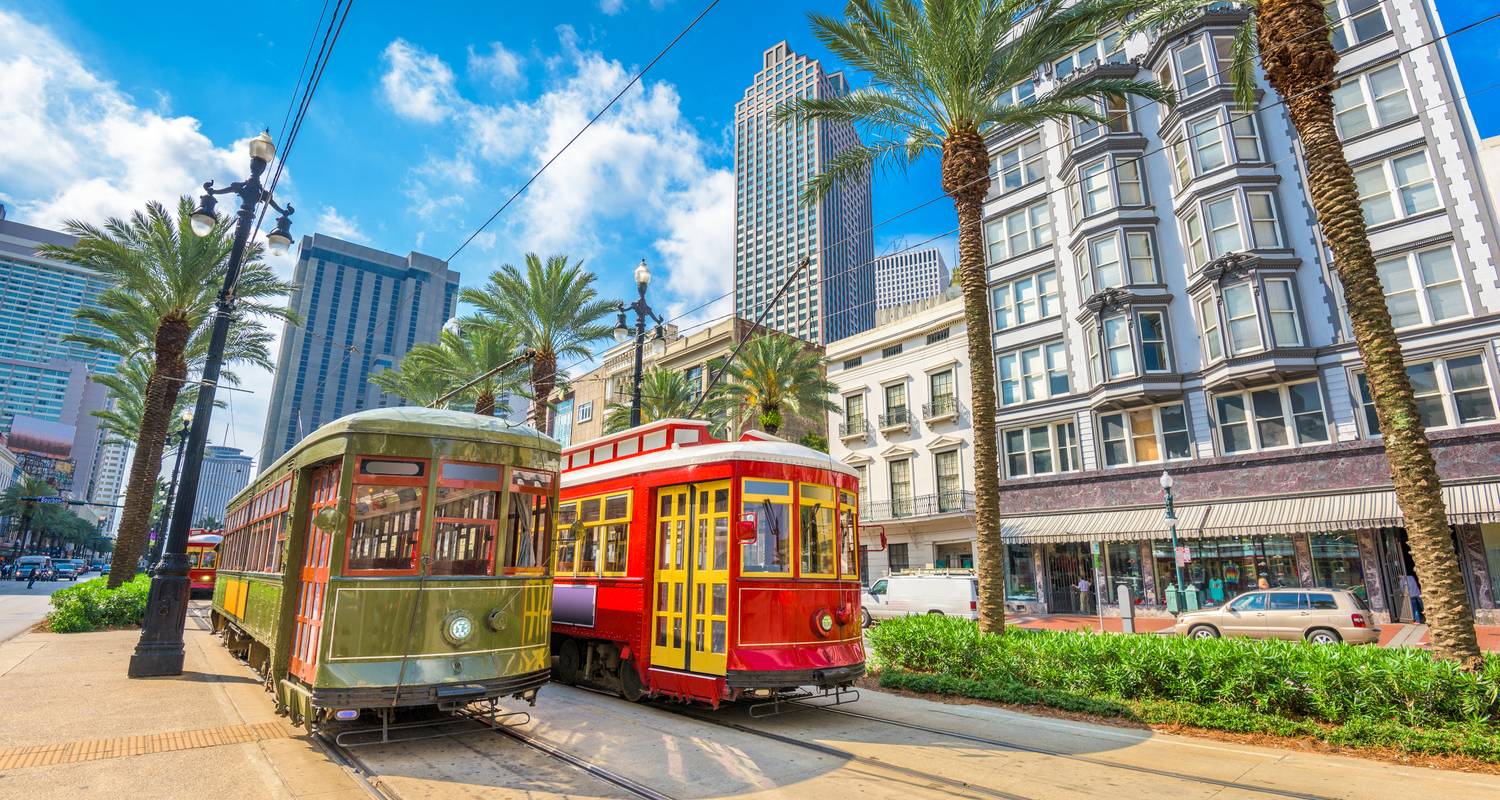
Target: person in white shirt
1083	593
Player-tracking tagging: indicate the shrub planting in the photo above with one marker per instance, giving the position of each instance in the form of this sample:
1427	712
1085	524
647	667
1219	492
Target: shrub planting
1344	694
92	606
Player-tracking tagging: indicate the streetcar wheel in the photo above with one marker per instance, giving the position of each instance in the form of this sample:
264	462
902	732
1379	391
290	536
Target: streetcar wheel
865	620
631	687
567	662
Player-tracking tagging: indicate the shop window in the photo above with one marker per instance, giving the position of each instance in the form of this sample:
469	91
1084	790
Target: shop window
817	530
1145	435
1041	449
1271	418
1336	563
1450	392
1020	573
770	503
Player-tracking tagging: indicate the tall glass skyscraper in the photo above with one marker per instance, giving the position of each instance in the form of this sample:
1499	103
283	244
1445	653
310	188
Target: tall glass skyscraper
835	296
361	310
226	470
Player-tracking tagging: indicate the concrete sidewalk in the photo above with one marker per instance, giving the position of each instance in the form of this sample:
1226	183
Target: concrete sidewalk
1392	634
74	726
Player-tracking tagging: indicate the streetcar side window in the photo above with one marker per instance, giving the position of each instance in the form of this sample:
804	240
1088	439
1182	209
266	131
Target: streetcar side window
817	531
769	504
467	524
848	536
385	533
528	522
566	562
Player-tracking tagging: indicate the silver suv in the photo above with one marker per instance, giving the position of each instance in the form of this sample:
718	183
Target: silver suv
1321	616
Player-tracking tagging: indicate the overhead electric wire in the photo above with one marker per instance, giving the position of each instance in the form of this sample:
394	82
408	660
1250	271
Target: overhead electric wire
632	82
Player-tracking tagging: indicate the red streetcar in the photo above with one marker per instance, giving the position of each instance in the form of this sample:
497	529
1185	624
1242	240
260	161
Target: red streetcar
203	558
699	569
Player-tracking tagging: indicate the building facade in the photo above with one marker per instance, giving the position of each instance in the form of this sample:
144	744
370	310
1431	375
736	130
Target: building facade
45	378
909	276
1162	300
904	424
696	354
834	297
361	310
225	471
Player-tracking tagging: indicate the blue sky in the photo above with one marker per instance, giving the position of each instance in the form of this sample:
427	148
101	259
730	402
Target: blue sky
428	117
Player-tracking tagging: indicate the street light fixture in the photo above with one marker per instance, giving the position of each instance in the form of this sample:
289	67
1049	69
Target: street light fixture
1171	520
623	334
160	650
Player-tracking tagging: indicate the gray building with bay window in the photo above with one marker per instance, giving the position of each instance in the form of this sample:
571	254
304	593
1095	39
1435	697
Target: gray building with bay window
1163	300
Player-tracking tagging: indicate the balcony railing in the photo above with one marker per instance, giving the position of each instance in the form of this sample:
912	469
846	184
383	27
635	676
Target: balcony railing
895	419
940	408
927	505
853	428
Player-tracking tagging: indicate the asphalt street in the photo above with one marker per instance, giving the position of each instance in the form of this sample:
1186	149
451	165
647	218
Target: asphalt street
20	608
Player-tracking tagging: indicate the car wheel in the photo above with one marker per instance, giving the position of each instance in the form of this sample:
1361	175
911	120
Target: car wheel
1203	632
865	620
935	613
1323	636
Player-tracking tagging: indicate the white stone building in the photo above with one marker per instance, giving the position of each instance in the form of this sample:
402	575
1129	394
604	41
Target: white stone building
904	425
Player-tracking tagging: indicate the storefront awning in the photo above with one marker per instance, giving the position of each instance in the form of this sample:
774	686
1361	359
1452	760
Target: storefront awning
1354	510
1096	526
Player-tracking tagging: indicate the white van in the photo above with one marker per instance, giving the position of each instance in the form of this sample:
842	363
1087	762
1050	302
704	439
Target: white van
951	592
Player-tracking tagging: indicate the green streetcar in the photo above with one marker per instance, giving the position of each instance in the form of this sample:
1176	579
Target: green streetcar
395	558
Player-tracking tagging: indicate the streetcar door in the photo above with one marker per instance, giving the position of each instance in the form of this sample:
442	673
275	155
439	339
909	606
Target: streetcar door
709	579
308	631
670	592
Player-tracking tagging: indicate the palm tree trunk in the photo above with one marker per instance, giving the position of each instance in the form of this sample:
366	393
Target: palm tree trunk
1299	63
161	397
543	381
965	168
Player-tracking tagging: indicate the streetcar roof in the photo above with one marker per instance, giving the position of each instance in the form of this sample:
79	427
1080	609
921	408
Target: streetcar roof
769	451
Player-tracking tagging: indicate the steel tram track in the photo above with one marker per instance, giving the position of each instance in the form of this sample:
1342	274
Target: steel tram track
1223	784
369	778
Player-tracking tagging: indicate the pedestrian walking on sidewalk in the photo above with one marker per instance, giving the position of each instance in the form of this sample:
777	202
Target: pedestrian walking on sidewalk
1413	591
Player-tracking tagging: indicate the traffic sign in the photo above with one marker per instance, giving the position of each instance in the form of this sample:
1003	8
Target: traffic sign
50	500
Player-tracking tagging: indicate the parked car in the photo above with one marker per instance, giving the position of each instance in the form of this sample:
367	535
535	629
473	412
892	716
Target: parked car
26	564
955	593
1320	616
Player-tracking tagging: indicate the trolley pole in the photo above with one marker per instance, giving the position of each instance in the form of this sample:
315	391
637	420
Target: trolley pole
160	650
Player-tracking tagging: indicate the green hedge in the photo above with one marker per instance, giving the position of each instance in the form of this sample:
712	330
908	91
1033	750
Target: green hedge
90	605
1365	695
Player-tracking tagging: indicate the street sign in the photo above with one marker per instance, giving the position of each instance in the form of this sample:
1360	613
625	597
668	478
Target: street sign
50	500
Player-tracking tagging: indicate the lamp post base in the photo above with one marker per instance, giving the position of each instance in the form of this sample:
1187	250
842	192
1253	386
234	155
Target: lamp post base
160	650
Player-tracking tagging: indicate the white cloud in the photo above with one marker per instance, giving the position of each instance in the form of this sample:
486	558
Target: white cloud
418	85
698	248
501	67
333	223
611	7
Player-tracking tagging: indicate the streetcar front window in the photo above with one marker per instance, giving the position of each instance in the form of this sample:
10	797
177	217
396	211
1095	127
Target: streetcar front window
817	531
468	514
529	520
848	536
386	530
210	557
192	557
769	504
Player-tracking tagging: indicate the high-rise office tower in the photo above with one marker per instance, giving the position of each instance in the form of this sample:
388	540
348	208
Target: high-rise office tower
43	377
361	310
901	278
774	231
226	470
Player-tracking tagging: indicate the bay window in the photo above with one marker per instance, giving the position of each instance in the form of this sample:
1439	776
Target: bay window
1020	231
1102	268
1207	136
1395	189
1423	288
1152	329
1242	322
1246	143
1108	50
1145	435
1093	183
1033	373
1208	318
1263	227
1114	347
1192	67
1116	113
1371	100
1223	226
1118	360
1181	171
1019	165
1093	193
1282	310
1451	392
1225	223
1041	449
1271	418
1025	300
1142	259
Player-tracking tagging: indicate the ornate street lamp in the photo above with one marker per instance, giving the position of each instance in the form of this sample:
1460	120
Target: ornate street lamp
1171	520
623	334
161	524
159	651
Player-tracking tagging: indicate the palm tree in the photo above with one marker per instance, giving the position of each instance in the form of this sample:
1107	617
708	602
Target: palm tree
412	385
475	348
1293	42
552	308
23	514
164	283
665	394
940	78
774	377
121	422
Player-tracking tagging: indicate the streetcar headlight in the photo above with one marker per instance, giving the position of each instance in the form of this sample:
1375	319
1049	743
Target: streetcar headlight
823	622
458	627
